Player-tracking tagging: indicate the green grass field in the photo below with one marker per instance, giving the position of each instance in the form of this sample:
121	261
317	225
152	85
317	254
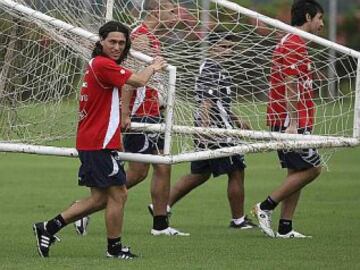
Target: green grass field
34	188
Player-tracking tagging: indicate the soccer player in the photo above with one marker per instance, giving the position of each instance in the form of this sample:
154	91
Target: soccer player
146	109
214	91
291	110
99	139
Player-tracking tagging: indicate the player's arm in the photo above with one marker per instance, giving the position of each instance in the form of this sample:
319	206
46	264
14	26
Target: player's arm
141	78
127	92
205	112
292	98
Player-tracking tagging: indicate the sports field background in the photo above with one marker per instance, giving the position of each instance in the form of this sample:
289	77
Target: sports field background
34	188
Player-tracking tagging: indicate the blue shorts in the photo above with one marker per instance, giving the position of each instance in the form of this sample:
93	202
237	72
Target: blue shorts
218	166
144	143
300	159
101	169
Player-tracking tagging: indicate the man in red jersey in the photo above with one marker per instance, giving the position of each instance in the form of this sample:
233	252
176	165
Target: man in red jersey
291	110
99	139
145	108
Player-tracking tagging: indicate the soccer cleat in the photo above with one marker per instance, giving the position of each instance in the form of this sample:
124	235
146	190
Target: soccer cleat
121	252
246	224
43	239
151	210
81	225
264	219
292	234
168	231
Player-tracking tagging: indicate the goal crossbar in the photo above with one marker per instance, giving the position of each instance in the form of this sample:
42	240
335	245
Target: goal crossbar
251	134
172	159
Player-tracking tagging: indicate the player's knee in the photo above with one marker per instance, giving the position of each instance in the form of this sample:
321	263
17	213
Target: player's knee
317	171
99	202
314	173
117	195
162	170
121	195
135	177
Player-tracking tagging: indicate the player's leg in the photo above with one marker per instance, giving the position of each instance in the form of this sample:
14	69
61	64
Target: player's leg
116	198
186	184
236	197
136	173
181	188
295	181
92	173
114	215
235	193
234	167
289	195
95	202
137	143
160	188
303	167
45	231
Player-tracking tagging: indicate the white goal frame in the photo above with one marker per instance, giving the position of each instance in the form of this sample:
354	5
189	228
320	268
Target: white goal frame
288	141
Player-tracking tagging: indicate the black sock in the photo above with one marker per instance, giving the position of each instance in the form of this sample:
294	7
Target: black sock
268	204
114	244
285	226
160	223
56	224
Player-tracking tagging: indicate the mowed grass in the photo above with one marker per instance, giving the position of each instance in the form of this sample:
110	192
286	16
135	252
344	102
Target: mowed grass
35	188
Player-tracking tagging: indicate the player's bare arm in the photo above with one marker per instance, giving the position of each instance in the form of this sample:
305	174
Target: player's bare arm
141	78
126	95
205	112
292	98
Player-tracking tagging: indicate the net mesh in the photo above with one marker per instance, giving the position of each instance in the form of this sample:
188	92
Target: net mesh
42	67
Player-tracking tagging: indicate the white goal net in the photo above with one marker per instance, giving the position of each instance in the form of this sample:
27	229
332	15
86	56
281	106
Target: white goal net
45	45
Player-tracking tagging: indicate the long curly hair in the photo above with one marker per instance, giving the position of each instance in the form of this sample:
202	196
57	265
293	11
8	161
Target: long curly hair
113	26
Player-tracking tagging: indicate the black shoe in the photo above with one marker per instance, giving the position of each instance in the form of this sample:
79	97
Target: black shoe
43	239
81	225
246	224
121	252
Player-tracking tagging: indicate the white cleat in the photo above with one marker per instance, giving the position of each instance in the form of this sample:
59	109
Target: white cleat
292	234
169	232
264	219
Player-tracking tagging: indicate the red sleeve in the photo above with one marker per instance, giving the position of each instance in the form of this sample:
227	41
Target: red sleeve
111	74
293	52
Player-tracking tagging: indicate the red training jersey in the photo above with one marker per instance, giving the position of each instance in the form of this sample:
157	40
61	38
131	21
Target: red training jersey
99	112
291	58
145	101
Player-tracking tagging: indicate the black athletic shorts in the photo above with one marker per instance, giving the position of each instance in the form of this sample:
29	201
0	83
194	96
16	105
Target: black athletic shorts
299	159
101	168
144	143
218	166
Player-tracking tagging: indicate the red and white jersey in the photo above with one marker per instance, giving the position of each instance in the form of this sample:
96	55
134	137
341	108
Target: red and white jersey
291	58
99	112
145	101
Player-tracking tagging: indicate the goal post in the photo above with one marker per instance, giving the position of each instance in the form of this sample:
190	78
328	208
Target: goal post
356	133
38	105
